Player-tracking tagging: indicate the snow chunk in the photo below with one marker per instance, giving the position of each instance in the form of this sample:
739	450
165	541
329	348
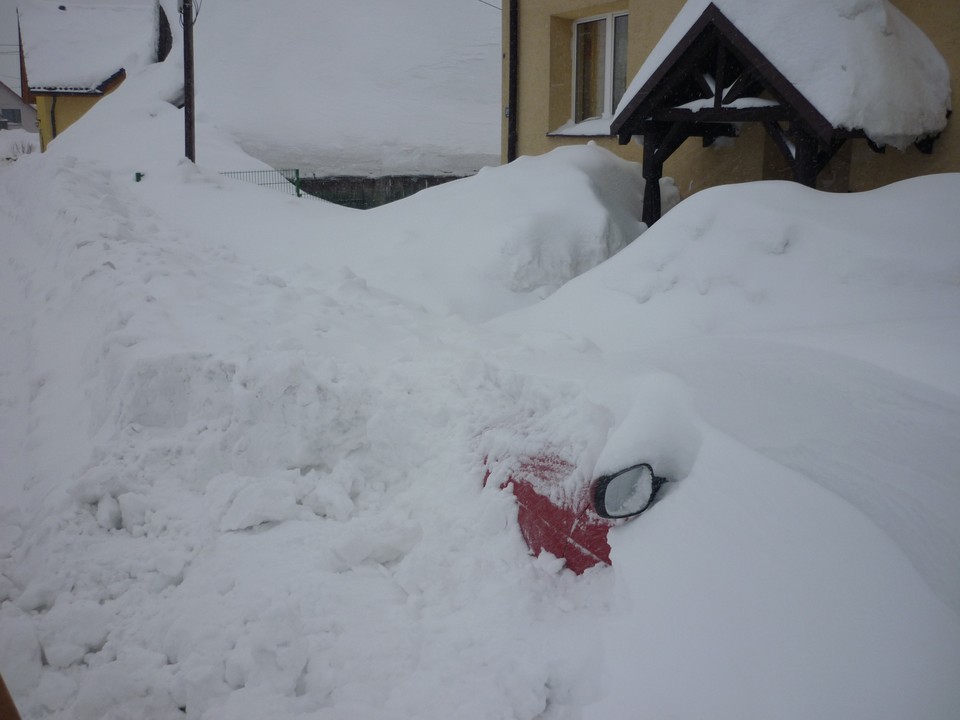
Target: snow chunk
72	629
20	662
270	500
385	542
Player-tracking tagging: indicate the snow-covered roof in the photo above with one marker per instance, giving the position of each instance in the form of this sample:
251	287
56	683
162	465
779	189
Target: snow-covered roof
72	47
862	64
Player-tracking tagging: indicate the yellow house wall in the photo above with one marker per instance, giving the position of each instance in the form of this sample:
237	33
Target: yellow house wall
44	103
545	71
544	104
58	112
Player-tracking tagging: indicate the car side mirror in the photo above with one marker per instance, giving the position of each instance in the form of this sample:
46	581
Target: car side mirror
626	493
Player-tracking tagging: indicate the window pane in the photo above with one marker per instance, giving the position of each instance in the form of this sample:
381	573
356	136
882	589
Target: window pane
591	67
619	58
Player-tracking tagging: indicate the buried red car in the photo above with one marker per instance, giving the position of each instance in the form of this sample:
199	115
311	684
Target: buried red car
574	525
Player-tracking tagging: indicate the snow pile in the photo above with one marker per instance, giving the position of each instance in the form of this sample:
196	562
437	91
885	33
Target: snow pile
274	498
138	128
523	232
861	63
799	318
242	441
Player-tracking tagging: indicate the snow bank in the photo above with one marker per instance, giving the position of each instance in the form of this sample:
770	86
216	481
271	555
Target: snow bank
800	318
263	507
505	238
138	128
522	232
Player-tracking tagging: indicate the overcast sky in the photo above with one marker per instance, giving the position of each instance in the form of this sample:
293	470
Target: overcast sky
9	64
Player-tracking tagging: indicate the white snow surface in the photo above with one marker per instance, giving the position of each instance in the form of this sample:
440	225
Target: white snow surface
862	64
81	46
242	441
14	143
354	87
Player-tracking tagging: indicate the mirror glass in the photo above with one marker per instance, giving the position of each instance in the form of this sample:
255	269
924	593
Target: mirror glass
626	493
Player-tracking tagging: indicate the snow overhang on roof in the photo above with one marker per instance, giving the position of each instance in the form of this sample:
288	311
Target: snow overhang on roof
860	64
82	48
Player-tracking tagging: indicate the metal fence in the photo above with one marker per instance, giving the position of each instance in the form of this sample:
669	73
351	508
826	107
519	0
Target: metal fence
286	181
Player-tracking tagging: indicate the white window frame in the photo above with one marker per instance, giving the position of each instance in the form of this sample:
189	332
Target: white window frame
608	63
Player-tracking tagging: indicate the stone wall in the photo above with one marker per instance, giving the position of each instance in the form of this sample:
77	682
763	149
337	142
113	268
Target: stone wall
368	192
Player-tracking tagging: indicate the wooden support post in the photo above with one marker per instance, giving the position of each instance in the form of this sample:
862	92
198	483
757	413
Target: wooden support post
652	172
660	141
805	168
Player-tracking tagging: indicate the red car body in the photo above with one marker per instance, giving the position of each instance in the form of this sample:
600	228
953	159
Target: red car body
554	521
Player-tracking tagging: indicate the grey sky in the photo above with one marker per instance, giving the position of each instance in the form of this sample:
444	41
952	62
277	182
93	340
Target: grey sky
9	64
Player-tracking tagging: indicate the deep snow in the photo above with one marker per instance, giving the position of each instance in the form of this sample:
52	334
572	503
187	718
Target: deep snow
243	439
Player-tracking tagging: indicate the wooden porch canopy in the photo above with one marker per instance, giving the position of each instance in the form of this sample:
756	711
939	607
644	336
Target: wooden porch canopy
712	80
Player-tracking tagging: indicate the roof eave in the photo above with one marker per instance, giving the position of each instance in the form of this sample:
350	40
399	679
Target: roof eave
103	88
640	106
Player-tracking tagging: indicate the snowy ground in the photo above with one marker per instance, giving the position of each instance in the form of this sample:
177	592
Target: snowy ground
14	143
243	439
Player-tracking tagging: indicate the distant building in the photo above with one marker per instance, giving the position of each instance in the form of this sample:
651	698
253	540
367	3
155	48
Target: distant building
14	112
810	90
71	55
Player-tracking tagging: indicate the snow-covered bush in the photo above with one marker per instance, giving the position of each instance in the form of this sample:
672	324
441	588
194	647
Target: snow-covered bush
14	143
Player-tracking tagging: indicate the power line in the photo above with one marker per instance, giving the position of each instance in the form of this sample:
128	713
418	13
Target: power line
490	4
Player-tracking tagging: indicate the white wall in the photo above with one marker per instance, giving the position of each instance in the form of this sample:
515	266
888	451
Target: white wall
10	99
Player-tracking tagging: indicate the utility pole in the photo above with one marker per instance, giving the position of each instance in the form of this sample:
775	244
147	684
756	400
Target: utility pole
190	140
513	79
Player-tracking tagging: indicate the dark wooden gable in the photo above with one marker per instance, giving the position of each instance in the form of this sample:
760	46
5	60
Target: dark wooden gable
711	80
